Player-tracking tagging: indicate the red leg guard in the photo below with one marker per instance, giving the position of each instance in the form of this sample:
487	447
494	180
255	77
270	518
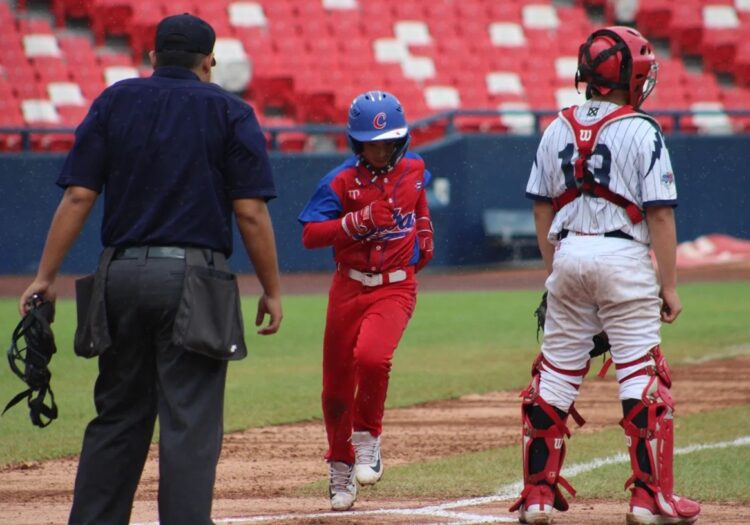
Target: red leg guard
657	434
554	439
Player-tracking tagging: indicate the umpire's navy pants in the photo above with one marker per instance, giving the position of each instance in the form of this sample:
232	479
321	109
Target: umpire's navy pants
141	376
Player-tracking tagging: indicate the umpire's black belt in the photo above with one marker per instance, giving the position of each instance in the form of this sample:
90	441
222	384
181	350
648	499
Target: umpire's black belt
150	252
618	234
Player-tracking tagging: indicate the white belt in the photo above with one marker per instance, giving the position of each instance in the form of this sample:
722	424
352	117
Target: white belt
376	279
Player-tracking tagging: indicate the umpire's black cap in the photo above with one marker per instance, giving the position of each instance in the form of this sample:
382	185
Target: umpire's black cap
185	32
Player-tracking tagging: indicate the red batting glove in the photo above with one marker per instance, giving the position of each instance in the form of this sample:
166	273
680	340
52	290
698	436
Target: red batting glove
361	223
425	242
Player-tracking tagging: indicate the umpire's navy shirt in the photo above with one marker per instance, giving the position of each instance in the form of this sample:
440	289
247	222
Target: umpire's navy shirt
172	153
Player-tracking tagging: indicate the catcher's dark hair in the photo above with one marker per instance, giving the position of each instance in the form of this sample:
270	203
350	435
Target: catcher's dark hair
182	59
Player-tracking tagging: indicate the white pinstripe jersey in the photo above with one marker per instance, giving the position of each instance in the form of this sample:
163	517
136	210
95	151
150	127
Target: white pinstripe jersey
630	158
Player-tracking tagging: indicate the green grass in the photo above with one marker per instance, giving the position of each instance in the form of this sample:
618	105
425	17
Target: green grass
457	343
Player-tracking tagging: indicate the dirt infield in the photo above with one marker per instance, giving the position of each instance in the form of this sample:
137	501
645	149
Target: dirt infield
261	468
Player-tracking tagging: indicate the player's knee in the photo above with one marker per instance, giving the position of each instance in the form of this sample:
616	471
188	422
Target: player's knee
633	388
556	391
370	362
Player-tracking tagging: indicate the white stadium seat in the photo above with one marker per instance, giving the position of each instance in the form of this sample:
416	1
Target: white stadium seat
114	74
65	94
536	16
715	123
340	4
390	50
412	32
720	17
41	45
442	97
566	67
507	34
504	82
517	117
233	69
569	97
418	68
39	112
246	14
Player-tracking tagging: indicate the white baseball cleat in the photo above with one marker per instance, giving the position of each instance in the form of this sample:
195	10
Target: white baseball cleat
537	508
368	466
644	511
342	488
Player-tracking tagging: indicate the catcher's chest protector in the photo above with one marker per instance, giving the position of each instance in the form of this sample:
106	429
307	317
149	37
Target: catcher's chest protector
586	137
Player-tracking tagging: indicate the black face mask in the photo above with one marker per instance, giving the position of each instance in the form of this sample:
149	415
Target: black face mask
30	352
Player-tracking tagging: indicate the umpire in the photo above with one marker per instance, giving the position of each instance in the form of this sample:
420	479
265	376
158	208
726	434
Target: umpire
174	155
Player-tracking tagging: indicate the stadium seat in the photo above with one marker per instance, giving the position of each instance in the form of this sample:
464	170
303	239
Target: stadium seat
440	98
114	74
40	45
507	34
412	32
111	17
714	122
233	68
718	49
653	18
539	16
63	9
65	94
516	117
503	82
685	30
246	14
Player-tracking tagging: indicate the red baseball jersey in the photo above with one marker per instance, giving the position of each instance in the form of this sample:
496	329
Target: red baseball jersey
350	187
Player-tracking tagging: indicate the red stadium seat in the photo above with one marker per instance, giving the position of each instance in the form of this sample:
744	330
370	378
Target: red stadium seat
686	29
63	9
653	18
719	48
111	17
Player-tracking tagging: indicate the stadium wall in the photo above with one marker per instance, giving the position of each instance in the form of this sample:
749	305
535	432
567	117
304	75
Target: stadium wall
471	173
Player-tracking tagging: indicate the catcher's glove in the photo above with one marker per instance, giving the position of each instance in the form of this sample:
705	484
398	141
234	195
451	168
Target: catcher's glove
30	352
600	340
601	344
541	315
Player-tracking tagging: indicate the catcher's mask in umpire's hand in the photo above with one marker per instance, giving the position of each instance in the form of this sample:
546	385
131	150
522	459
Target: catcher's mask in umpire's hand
30	362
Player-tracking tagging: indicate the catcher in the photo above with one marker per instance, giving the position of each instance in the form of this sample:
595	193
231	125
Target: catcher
604	193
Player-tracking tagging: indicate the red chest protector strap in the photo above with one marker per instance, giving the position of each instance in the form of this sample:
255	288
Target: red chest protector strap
586	138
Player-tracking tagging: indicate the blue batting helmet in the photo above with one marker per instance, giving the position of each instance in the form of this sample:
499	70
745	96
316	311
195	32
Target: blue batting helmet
376	116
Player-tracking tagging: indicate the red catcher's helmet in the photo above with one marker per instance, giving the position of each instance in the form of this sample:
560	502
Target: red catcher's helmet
617	57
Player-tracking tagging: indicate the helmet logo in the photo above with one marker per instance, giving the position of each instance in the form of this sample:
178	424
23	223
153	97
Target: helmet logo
585	135
379	121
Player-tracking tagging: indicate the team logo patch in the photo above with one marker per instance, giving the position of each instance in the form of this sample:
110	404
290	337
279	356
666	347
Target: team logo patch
592	112
379	121
667	178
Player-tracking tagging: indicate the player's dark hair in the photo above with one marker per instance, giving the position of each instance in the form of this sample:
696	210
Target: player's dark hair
178	59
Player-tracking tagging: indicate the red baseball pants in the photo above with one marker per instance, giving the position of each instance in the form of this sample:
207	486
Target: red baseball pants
363	328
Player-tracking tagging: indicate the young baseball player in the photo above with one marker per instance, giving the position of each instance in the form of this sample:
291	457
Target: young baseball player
604	193
372	210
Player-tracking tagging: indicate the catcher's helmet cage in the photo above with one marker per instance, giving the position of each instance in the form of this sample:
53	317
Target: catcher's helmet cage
30	352
617	57
377	116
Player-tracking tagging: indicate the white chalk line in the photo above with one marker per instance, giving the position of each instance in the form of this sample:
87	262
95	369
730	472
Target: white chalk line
504	493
